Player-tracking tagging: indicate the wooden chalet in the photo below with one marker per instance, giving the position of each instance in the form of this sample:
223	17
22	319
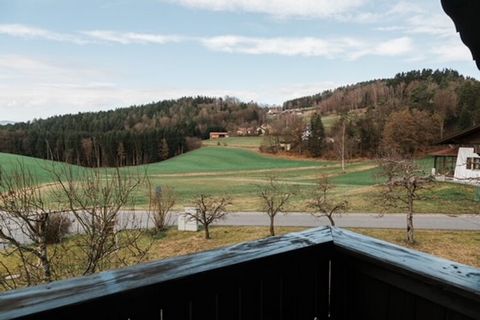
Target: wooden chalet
324	273
464	166
444	161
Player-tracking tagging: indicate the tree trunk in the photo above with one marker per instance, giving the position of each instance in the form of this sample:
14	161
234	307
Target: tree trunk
330	218
44	261
272	228
207	232
343	147
410	230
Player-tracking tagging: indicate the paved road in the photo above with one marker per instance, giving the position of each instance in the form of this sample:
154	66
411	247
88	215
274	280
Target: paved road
141	219
360	220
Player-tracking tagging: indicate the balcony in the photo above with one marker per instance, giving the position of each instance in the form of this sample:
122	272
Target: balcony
324	273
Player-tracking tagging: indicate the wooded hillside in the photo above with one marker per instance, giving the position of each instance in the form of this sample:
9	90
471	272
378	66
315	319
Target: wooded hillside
451	97
129	136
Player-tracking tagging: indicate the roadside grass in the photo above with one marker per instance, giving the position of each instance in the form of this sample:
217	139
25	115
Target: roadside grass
460	246
176	243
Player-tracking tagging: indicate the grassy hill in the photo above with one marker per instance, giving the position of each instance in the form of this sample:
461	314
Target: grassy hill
238	173
39	167
220	159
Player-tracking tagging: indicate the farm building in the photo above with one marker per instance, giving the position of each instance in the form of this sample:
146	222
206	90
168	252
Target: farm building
218	135
464	152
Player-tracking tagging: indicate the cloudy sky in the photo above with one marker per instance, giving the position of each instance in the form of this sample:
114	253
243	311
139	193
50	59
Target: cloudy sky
66	56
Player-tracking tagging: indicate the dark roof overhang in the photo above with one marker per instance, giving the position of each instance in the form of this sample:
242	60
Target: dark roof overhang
461	137
465	15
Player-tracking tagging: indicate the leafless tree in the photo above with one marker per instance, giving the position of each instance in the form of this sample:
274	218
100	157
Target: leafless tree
96	197
343	142
162	201
274	198
321	202
404	182
209	210
25	217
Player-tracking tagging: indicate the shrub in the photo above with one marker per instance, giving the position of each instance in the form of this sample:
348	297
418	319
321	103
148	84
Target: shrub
58	226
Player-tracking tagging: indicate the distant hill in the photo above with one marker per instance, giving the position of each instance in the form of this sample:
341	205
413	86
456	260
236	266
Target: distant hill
5	122
451	97
129	136
406	87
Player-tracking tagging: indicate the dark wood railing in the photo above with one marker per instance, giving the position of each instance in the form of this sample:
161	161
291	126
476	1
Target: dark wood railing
316	274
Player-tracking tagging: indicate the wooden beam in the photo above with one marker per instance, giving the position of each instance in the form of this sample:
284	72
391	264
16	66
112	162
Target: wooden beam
33	300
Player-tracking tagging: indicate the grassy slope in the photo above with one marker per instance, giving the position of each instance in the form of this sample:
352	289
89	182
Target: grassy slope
217	159
39	167
238	172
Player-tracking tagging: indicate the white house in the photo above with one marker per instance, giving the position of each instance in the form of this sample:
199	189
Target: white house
467	160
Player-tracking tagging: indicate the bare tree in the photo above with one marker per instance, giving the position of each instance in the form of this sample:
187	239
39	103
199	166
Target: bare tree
25	218
274	197
162	201
209	210
404	182
96	197
321	201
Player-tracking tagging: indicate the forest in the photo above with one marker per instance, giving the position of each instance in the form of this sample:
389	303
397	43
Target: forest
129	136
404	114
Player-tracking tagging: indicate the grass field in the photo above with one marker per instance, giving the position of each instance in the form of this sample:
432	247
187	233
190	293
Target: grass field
238	172
236	142
41	168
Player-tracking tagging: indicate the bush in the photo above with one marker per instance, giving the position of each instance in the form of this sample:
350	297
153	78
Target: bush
193	143
58	226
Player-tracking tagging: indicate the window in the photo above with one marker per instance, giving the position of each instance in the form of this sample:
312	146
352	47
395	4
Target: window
473	163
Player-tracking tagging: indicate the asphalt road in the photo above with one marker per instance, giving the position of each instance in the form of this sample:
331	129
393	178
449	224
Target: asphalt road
358	220
141	219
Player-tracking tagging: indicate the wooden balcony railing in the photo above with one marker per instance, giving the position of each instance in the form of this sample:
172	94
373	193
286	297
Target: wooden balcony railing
324	273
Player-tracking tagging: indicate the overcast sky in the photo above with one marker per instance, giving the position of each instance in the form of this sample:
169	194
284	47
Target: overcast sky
62	56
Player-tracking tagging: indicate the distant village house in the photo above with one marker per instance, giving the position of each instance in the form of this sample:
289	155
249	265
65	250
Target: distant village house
218	135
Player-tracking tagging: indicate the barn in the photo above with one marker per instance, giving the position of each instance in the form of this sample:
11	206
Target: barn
218	135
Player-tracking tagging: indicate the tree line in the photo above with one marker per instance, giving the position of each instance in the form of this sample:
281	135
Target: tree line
129	136
403	115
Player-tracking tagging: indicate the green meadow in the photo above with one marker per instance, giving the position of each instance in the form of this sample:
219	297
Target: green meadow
239	172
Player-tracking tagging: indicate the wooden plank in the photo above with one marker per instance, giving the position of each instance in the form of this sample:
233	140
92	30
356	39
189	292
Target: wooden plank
455	276
443	282
18	303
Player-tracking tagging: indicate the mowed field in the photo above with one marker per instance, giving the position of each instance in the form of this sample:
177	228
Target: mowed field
238	173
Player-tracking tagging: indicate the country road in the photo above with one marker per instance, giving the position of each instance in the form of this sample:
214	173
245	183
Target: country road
359	220
141	219
352	220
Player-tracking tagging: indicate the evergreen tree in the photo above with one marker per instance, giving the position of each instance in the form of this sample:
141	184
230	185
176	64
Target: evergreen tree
316	139
164	150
